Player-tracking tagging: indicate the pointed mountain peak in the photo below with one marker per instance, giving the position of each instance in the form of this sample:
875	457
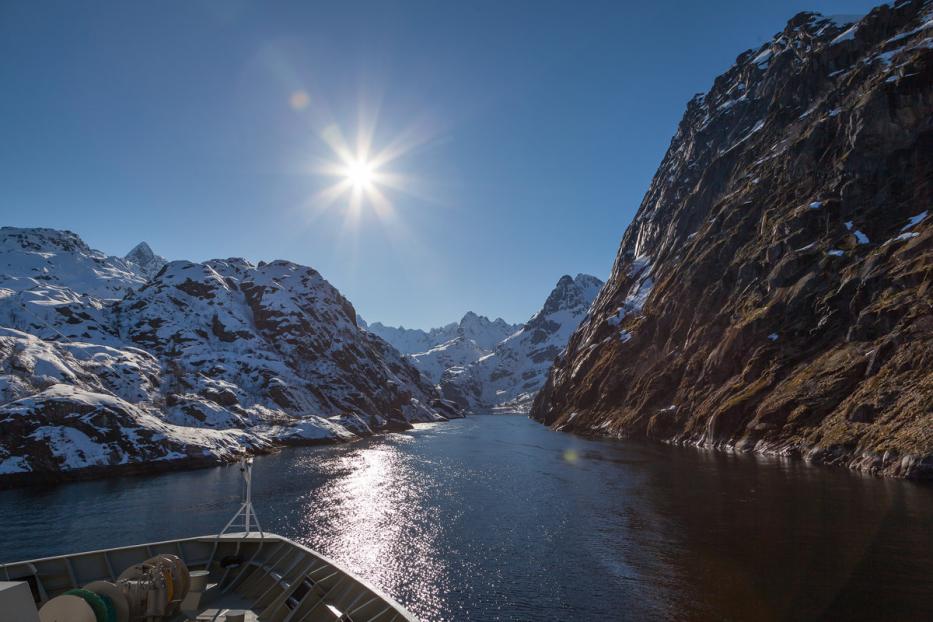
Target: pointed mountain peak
141	253
146	262
570	292
473	318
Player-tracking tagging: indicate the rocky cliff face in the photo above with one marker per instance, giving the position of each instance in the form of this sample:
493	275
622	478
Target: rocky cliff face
773	292
102	367
506	379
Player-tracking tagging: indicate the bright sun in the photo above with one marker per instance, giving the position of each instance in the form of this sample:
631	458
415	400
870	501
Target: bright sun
364	176
360	174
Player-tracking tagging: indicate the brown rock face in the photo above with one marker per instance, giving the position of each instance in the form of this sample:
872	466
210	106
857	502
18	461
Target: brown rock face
774	291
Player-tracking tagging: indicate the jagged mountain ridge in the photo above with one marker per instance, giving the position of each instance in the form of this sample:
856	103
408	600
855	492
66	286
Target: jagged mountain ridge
773	291
456	344
488	366
413	340
507	379
480	329
103	368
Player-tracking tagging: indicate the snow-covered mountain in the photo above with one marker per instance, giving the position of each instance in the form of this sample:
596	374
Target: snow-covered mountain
413	340
488	365
456	344
103	365
484	332
54	286
480	329
144	261
457	352
507	378
44	259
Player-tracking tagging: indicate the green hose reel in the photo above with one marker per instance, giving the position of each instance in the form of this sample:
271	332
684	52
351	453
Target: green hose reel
102	605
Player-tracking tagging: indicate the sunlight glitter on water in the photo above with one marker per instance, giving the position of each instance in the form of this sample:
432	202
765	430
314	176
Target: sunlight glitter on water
485	519
371	516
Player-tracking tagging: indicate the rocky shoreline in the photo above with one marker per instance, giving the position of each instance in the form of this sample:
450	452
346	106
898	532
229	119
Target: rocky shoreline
917	468
912	467
188	463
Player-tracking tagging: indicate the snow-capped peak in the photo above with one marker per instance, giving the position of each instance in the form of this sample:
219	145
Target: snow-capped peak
484	332
141	253
569	293
509	377
146	262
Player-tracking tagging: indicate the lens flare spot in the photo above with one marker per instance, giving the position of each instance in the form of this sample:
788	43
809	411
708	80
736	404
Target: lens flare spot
299	100
571	456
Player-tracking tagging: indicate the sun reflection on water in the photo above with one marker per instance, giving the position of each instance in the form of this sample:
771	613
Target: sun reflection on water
372	517
486	519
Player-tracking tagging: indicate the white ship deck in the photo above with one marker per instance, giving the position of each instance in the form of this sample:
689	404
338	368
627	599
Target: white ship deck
269	578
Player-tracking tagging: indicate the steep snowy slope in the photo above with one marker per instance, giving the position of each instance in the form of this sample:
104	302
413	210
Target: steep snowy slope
270	339
199	363
773	293
508	378
69	406
457	352
54	286
50	258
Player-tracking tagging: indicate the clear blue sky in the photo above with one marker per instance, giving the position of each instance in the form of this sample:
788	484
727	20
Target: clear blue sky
538	127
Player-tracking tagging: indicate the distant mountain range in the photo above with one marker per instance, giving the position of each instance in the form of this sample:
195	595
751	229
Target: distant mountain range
489	366
113	363
484	332
456	344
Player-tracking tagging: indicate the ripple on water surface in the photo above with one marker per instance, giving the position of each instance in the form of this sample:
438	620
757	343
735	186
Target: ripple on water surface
498	518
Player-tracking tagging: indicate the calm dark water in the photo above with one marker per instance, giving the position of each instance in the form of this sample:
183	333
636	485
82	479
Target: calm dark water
498	518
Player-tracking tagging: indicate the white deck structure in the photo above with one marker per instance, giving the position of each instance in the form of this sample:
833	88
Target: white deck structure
266	577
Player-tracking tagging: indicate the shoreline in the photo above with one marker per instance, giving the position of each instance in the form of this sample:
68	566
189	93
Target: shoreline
30	479
918	470
906	467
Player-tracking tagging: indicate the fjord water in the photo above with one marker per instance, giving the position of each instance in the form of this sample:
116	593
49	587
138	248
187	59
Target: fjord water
498	518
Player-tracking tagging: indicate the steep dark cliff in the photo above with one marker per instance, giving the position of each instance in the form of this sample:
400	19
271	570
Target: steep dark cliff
773	292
